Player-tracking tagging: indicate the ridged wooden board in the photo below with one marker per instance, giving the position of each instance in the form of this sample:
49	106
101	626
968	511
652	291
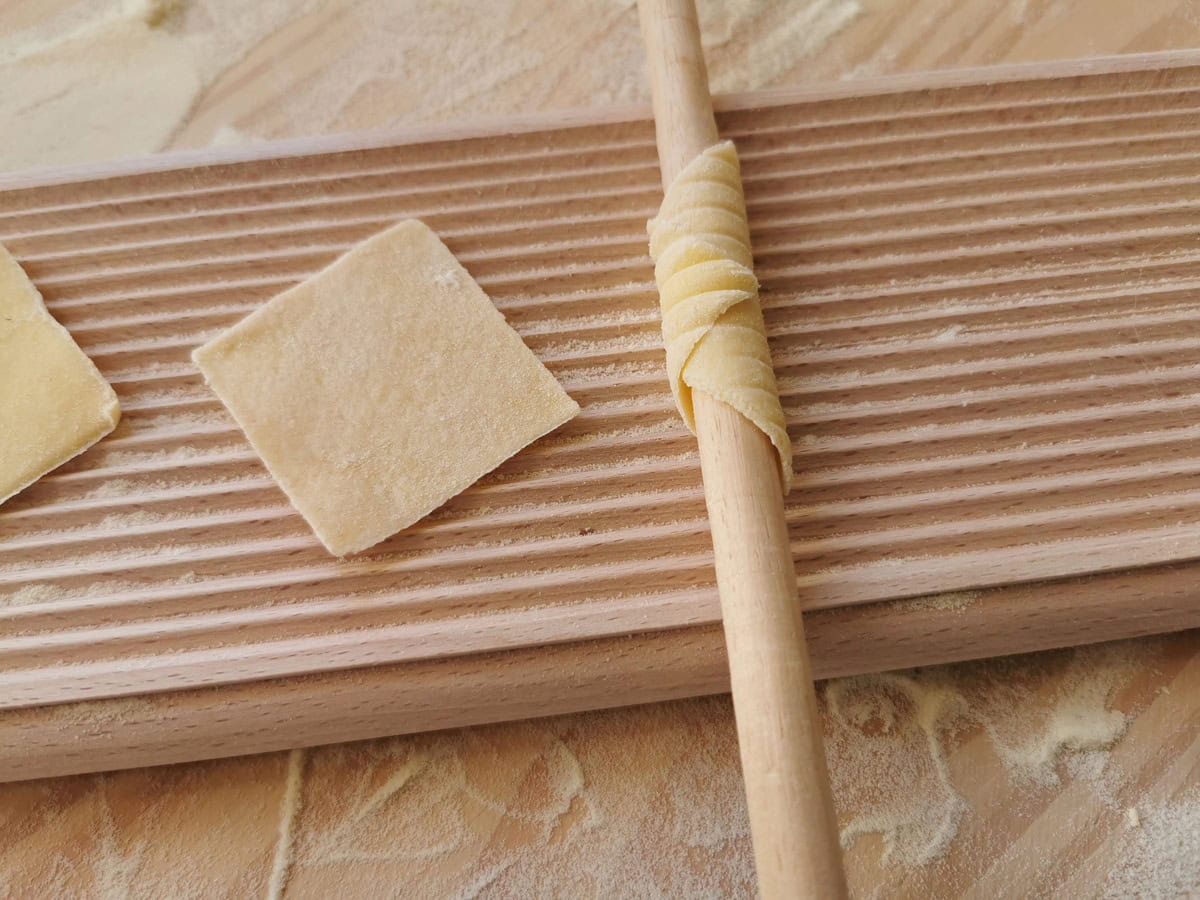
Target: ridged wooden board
980	290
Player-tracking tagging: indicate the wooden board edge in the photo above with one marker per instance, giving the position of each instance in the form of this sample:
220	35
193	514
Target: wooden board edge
576	117
334	707
936	79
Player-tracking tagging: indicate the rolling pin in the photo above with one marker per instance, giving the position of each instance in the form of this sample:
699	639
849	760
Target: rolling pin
792	822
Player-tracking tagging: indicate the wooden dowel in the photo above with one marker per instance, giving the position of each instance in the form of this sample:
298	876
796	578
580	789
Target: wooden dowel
792	819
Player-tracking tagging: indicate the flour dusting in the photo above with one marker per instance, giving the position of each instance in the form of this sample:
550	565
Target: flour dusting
1161	856
889	738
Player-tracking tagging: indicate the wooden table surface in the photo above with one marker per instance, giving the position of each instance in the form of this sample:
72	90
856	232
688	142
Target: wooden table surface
937	773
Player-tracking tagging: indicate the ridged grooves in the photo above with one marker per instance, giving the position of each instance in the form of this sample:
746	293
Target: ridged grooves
982	305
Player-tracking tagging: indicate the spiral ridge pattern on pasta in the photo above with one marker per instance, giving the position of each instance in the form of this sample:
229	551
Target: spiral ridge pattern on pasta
711	320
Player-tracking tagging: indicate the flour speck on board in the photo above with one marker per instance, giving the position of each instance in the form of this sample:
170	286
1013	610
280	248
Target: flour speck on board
49	592
955	601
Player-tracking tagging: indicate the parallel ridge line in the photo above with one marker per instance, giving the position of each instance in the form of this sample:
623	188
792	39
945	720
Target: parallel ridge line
580	343
811	513
857	476
785	199
640	300
770	239
640	145
485	233
827	447
764	222
795	393
862	537
474	556
775	265
583	363
631	438
757	170
817	514
509	629
515	514
552	299
518	516
470	594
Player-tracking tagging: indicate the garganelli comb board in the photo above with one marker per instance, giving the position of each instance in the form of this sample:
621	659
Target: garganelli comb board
981	293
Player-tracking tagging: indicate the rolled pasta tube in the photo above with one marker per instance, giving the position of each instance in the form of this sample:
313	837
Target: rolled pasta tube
712	323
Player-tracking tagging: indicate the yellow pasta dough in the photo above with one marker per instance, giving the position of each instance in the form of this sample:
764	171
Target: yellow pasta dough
712	324
54	403
381	387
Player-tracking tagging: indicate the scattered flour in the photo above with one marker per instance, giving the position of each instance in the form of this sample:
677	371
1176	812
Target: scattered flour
121	81
122	488
1161	857
889	736
557	789
289	812
627	342
30	594
125	75
202	814
887	758
948	335
129	75
547	808
110	561
114	488
228	136
175	455
113	522
788	34
1076	717
209	419
48	592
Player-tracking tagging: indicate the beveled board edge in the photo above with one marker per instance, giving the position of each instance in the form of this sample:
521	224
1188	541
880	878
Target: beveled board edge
484	126
332	707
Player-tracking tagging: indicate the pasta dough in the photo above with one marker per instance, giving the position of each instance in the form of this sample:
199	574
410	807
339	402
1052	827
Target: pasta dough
381	387
54	403
712	324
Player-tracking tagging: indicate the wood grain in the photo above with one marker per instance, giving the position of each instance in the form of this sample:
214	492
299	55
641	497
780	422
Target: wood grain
979	294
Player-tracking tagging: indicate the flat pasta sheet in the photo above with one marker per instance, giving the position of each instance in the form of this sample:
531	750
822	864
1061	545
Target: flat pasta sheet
381	387
54	404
